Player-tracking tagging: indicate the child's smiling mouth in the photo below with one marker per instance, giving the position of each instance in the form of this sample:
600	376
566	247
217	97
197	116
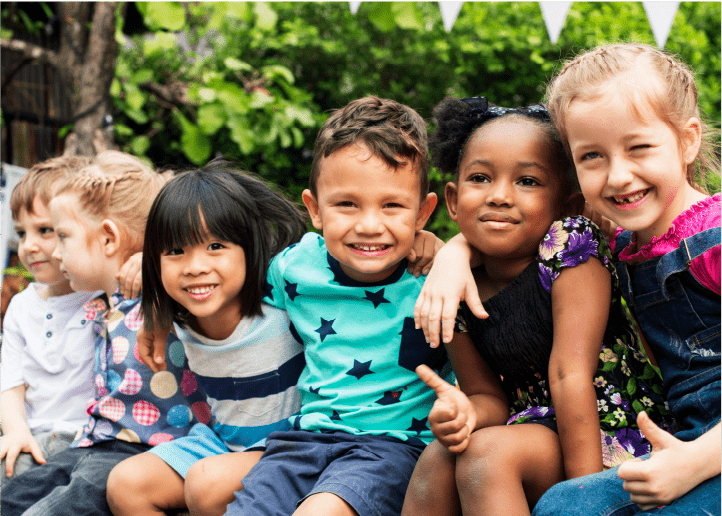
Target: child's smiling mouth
624	200
200	292
369	249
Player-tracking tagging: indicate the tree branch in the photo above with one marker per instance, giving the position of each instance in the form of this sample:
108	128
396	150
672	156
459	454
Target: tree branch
30	51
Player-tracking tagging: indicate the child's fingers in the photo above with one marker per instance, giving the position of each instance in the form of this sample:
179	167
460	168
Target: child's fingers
12	455
473	301
433	322
455	440
151	349
37	453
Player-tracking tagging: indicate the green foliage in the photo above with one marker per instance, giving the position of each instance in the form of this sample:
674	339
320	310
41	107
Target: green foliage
262	77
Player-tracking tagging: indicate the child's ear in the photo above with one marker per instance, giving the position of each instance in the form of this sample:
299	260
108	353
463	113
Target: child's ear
691	139
573	205
450	193
109	237
426	208
312	206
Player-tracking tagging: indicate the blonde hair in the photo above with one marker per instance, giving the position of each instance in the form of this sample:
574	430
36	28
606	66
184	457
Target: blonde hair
119	187
673	97
41	180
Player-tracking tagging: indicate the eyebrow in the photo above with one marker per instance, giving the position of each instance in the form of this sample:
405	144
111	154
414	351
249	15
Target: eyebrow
520	164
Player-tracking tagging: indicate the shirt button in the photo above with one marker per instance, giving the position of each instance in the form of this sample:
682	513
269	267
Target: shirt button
82	322
49	334
49	316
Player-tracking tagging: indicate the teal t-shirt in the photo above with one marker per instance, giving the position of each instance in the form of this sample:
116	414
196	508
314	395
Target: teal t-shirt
360	343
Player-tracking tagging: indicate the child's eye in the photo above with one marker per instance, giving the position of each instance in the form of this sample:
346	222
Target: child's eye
478	178
393	205
174	252
344	204
215	246
528	181
45	231
591	155
641	147
21	234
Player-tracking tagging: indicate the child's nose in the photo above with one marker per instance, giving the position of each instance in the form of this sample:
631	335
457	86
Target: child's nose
196	264
500	193
368	222
620	174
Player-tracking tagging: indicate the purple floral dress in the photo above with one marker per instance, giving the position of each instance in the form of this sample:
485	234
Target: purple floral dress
516	341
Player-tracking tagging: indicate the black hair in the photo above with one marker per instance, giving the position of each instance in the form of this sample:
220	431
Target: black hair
455	124
230	205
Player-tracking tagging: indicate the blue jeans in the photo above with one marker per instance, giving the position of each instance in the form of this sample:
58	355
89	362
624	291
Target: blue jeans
602	494
71	482
50	443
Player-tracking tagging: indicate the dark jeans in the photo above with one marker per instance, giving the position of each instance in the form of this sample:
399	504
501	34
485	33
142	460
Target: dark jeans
71	482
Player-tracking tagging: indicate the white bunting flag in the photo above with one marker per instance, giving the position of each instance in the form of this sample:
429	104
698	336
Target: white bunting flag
449	12
554	14
661	17
354	6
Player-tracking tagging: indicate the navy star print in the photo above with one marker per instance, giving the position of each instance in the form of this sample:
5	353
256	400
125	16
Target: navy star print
326	328
390	397
314	391
418	425
336	416
291	289
359	369
376	297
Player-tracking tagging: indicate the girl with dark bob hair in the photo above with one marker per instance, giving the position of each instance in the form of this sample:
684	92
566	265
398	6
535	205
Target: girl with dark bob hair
210	235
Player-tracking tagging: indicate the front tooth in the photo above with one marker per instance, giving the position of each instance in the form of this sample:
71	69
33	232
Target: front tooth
202	290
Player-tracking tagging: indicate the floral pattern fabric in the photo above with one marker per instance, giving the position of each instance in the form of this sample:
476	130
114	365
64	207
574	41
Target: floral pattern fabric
517	338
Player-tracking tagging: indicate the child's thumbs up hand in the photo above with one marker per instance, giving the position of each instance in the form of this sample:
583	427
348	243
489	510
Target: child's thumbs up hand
665	476
452	417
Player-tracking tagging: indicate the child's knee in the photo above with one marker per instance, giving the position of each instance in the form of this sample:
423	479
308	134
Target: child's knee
201	491
481	462
123	479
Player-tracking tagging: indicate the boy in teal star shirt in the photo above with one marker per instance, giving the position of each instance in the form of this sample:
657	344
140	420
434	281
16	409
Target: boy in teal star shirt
363	421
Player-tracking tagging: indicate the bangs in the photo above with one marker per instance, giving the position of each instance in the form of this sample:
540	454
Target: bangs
195	209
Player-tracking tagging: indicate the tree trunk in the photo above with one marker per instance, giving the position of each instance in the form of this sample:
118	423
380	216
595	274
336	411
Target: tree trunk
85	62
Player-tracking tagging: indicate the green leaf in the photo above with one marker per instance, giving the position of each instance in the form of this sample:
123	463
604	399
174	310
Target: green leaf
134	97
631	386
259	100
241	133
211	117
232	96
194	144
164	16
382	16
140	145
265	16
160	42
297	137
303	115
274	71
407	16
142	75
238	10
235	64
285	138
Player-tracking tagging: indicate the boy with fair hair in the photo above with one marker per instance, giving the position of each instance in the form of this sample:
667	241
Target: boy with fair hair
363	421
47	367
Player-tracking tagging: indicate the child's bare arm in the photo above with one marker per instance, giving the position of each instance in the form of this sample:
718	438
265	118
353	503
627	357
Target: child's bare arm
129	276
16	437
449	282
578	334
479	403
674	468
